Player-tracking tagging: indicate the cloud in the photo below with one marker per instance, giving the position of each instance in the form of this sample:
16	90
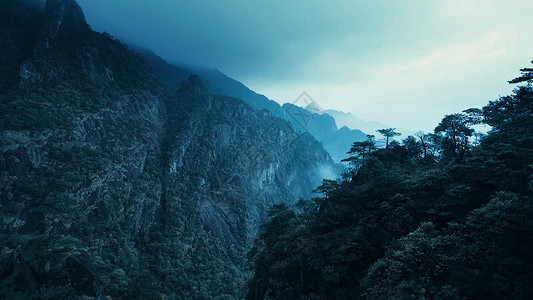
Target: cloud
455	58
271	40
391	61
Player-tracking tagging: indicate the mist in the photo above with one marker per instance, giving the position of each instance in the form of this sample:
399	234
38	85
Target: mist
404	63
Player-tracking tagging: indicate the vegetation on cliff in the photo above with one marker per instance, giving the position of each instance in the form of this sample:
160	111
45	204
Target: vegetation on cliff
114	186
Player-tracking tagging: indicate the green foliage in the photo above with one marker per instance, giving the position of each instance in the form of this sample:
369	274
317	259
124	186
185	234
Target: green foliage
73	166
509	110
388	134
411	223
34	247
527	76
327	187
59	293
414	147
484	257
8	289
456	134
20	113
360	151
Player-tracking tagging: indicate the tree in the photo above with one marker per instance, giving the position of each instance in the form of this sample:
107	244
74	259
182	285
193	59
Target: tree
423	142
510	109
430	144
414	147
328	186
282	219
387	134
394	143
474	241
474	116
527	75
456	130
362	150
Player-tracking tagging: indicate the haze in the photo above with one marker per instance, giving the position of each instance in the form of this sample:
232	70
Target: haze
403	63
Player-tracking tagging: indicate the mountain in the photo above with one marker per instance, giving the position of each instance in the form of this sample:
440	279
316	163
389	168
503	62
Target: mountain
216	81
351	121
115	186
324	128
369	127
321	126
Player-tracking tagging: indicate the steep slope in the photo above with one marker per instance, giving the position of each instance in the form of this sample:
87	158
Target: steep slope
79	130
169	75
321	126
216	81
324	128
19	26
113	186
239	162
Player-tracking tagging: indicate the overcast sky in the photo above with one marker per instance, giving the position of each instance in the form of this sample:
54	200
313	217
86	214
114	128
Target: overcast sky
404	63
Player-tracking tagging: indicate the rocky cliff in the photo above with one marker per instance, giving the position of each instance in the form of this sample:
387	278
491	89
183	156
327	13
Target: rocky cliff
112	186
337	140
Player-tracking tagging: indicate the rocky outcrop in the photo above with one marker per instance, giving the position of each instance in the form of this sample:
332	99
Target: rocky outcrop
243	161
79	154
320	125
112	187
63	29
20	25
63	19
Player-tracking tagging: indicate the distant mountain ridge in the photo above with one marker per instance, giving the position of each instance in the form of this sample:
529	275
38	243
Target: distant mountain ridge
351	121
217	82
369	127
321	126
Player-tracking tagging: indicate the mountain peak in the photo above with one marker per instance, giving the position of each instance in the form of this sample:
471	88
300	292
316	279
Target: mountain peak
196	81
314	108
63	18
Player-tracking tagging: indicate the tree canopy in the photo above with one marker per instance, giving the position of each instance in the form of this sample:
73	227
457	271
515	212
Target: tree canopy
436	217
388	134
527	76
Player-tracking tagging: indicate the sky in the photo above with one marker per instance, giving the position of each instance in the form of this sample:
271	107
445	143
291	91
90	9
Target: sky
403	63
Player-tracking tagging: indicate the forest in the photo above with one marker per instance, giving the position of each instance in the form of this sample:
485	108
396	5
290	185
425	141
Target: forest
123	176
444	215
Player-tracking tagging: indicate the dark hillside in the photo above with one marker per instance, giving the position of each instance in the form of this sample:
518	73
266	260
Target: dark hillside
113	186
433	221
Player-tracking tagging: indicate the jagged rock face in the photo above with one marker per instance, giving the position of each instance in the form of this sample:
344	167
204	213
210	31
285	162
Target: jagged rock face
243	161
75	147
63	19
63	29
321	126
125	190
